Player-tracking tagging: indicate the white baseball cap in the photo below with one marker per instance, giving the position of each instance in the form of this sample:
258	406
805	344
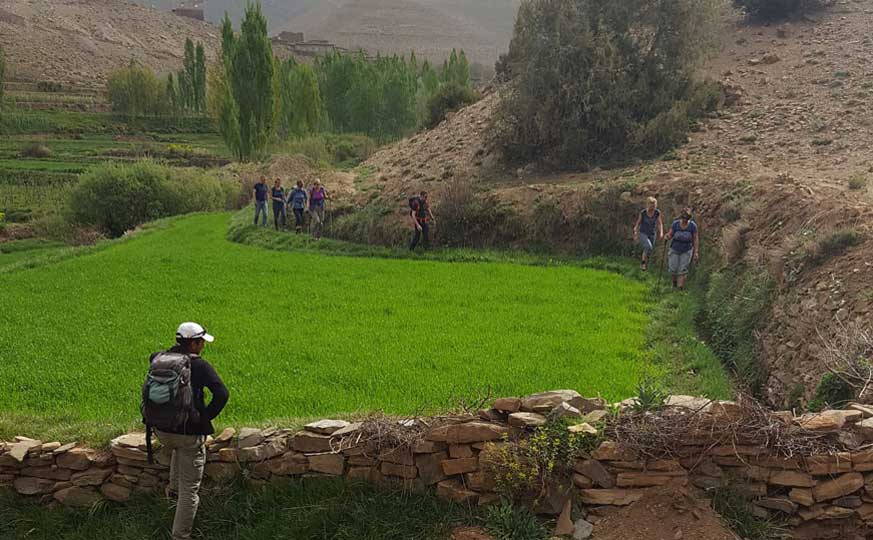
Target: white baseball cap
192	330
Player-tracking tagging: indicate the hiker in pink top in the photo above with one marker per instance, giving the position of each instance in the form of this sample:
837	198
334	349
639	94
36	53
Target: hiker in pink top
317	196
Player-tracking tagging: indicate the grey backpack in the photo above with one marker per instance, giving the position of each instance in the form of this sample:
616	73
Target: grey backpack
167	396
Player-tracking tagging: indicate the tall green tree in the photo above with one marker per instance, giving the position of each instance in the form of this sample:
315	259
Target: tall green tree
188	77
247	112
2	74
597	80
299	99
172	92
200	78
136	91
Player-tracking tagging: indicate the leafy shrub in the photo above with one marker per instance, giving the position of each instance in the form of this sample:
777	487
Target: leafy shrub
118	197
795	397
831	391
313	147
49	86
772	10
832	245
548	223
736	305
471	219
39	151
650	396
524	468
136	90
370	225
331	149
350	148
731	213
858	182
451	97
597	221
508	522
592	79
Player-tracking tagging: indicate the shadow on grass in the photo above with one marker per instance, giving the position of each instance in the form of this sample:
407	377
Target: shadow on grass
303	509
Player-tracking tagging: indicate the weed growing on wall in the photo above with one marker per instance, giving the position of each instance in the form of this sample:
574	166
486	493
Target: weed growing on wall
524	469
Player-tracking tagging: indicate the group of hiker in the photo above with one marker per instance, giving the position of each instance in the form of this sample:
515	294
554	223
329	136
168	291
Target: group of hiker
296	200
420	215
683	238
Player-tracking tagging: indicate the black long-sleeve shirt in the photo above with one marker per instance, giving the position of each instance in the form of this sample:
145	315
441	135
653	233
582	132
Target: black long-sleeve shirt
203	375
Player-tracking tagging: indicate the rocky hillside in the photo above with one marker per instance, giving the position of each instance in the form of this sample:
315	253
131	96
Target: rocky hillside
772	177
83	40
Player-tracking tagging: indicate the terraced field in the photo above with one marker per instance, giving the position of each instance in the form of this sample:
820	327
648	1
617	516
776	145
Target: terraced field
40	183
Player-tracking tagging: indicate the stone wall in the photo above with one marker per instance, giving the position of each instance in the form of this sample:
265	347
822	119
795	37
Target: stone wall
829	495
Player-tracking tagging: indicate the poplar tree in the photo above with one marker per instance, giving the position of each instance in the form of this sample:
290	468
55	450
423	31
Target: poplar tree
299	99
188	78
2	74
246	117
200	78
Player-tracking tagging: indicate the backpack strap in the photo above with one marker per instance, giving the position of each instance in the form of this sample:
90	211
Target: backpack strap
149	452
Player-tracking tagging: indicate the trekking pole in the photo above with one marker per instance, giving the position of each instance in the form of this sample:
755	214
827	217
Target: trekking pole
661	269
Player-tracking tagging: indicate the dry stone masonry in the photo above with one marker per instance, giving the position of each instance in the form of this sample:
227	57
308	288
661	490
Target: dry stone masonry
820	496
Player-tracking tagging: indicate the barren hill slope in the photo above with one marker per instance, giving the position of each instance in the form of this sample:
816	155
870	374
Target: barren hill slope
781	157
83	40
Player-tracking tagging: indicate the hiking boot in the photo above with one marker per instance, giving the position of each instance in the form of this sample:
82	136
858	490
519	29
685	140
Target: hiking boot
644	266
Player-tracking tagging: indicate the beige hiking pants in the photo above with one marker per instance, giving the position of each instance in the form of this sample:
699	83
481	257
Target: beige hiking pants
186	472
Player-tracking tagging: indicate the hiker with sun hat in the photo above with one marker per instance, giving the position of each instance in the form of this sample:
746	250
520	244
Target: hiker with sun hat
173	406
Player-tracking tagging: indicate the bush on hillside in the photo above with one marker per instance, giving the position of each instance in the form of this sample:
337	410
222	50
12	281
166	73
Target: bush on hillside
350	148
773	10
595	81
833	245
36	151
49	86
451	97
831	392
118	197
332	149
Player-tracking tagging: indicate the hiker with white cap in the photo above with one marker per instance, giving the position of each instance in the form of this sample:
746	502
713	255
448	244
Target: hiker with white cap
173	406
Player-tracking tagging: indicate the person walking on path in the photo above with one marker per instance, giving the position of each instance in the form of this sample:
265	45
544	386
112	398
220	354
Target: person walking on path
297	201
421	218
648	229
684	247
260	192
279	213
183	397
317	197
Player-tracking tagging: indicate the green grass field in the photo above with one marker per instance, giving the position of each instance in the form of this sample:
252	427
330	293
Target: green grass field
304	334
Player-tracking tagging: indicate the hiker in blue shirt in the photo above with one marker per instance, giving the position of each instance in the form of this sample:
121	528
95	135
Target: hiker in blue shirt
278	195
260	193
648	229
297	202
684	247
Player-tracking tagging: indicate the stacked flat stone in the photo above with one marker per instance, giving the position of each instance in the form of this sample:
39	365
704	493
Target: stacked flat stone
815	494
